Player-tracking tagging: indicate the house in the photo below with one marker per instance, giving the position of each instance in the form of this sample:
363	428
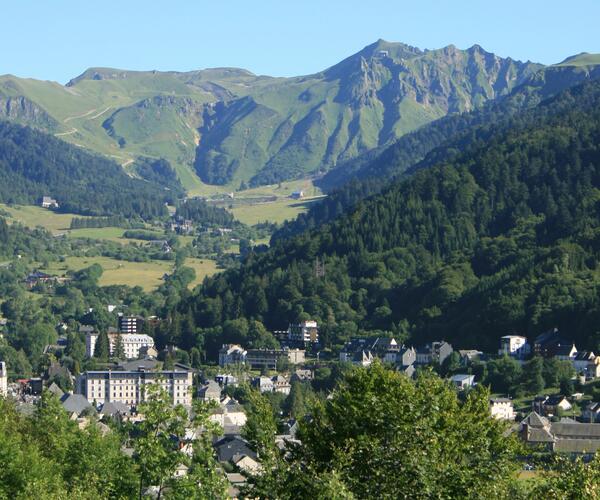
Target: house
565	352
362	358
463	381
225	380
593	368
210	392
115	409
57	391
554	404
281	384
514	346
502	409
302	375
232	448
546	344
230	415
591	413
304	333
297	195
75	404
48	202
263	384
569	437
387	349
434	352
582	360
232	354
467	356
148	351
3	379
248	465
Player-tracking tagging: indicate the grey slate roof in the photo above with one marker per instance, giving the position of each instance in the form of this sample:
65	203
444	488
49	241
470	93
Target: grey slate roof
114	408
57	391
75	403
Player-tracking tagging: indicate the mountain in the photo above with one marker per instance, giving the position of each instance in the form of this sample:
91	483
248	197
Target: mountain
226	126
34	164
503	237
367	174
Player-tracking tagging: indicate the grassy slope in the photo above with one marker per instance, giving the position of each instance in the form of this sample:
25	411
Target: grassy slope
275	211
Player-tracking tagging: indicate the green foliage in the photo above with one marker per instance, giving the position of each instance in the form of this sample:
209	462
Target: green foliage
382	435
33	164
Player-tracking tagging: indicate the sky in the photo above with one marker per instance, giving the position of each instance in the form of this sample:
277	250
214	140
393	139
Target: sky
59	39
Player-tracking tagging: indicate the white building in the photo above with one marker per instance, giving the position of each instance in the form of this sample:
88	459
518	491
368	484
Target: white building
130	324
128	387
132	343
232	354
3	379
513	345
502	409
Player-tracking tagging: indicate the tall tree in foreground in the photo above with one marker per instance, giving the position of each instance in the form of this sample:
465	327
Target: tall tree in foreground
381	435
158	453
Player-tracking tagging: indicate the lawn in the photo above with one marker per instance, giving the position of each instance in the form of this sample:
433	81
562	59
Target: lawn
203	268
118	272
275	211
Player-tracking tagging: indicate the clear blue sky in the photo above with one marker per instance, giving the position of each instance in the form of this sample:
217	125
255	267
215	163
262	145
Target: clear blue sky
58	39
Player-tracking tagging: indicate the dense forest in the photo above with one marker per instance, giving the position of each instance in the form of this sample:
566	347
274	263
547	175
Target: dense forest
503	238
199	211
366	175
34	164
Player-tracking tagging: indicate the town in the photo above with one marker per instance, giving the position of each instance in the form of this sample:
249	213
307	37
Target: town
546	390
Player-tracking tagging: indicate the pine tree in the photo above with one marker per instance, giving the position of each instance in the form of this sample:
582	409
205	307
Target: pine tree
119	351
102	349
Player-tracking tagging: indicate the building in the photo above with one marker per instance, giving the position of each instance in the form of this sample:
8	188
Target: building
434	352
387	349
278	383
3	379
549	406
514	346
232	354
130	324
304	333
128	385
502	409
268	358
210	392
547	343
565	352
226	379
463	381
467	356
582	360
297	195
48	202
591	413
134	344
570	437
362	358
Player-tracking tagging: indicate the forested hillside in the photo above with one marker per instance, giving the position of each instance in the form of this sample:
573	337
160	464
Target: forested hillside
353	180
34	164
503	238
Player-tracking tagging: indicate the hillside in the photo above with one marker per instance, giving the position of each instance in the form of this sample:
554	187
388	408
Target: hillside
34	164
226	126
501	238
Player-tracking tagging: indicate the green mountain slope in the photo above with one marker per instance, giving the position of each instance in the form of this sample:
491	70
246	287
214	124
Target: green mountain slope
34	164
503	237
226	126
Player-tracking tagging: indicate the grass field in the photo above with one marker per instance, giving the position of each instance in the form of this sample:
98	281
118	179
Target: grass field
203	268
118	272
32	216
275	211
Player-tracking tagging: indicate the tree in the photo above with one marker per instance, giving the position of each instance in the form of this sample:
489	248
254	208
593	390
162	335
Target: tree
157	450
119	350
570	479
102	347
533	375
384	436
567	387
